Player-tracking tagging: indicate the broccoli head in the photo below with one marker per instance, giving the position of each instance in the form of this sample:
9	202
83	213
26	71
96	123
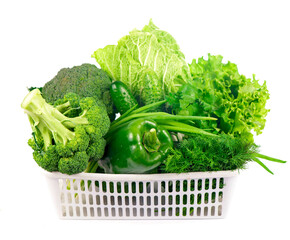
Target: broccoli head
69	135
85	80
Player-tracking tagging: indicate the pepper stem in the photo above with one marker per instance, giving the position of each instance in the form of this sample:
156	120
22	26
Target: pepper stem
151	141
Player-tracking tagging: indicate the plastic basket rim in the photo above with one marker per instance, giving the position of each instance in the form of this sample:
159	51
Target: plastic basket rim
142	177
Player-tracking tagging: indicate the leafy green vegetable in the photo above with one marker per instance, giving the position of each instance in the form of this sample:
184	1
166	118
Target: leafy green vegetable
218	90
201	153
144	55
151	89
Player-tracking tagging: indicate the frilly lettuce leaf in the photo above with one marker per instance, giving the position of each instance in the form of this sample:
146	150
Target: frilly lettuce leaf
218	90
146	50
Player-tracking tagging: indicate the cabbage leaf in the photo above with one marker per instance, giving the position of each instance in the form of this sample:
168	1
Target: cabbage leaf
149	50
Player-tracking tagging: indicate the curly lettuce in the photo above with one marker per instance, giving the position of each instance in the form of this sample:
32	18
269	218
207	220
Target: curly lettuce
219	90
145	52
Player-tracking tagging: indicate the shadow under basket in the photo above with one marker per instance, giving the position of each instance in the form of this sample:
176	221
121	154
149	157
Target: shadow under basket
198	195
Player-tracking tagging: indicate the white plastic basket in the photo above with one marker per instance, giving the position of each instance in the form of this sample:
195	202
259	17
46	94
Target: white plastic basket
149	196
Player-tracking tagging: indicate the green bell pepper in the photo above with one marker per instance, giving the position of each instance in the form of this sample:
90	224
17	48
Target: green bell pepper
138	147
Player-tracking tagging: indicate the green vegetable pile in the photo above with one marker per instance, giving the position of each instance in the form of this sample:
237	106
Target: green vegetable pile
146	110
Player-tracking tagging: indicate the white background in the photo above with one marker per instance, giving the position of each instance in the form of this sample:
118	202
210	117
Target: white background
40	37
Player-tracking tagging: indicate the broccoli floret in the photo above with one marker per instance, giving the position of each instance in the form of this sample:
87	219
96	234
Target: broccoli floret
85	80
68	135
76	164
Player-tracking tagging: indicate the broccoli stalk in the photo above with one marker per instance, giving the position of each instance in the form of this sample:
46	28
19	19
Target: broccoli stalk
47	121
67	136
